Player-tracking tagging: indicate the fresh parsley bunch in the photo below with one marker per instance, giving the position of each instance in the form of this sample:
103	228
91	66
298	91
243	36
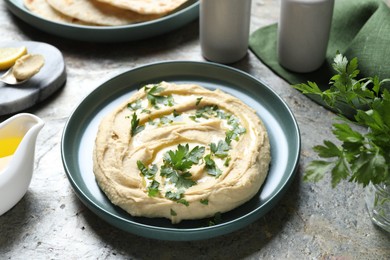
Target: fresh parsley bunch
361	157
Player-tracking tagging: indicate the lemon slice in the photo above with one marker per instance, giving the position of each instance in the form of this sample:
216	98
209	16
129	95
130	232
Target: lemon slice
8	56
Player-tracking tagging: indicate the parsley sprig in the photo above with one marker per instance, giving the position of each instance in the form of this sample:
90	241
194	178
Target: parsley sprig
183	158
361	157
135	127
175	169
135	105
147	172
154	96
235	131
211	166
221	149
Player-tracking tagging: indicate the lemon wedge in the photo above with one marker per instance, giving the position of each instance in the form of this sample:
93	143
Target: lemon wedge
8	56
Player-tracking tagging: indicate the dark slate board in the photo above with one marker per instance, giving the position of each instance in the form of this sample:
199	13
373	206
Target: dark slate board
49	79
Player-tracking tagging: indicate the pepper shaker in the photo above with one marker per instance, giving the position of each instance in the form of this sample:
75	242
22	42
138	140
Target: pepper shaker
224	29
303	33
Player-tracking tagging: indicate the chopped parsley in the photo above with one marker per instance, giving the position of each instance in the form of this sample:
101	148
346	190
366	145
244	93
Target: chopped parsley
181	180
209	111
135	127
216	220
183	201
227	161
153	190
154	97
165	120
204	201
173	213
175	113
145	171
198	101
175	169
221	149
149	173
206	112
235	131
135	105
177	196
211	166
146	111
182	159
174	195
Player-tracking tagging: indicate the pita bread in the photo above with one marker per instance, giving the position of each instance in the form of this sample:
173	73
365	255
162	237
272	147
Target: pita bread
43	9
98	13
160	7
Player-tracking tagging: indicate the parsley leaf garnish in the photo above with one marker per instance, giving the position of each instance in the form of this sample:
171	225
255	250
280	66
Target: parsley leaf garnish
175	169
235	131
150	172
146	111
175	113
204	201
147	172
135	128
211	166
198	101
152	94
177	196
216	220
221	149
206	111
173	213
153	190
165	120
181	180
174	195
154	97
135	105
361	157
183	201
227	161
182	159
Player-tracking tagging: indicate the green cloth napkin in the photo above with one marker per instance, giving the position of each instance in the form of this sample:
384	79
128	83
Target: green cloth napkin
360	28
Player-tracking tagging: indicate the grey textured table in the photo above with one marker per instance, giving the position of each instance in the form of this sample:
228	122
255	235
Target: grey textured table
312	221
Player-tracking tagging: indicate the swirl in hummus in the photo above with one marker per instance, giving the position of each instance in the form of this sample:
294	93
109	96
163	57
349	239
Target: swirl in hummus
181	151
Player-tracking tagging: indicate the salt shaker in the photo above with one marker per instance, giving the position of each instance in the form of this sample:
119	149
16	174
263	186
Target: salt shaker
224	29
303	33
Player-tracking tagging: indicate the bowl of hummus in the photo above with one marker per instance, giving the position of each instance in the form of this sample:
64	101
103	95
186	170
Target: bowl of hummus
181	150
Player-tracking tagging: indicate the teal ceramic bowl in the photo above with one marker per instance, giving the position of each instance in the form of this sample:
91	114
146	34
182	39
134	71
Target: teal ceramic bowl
81	128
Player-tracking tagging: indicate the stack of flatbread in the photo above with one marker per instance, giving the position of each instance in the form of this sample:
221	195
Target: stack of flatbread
102	12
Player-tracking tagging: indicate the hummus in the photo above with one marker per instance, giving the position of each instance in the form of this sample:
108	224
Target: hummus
27	66
181	152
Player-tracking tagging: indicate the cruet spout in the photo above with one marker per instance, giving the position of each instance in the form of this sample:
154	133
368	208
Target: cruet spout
18	136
